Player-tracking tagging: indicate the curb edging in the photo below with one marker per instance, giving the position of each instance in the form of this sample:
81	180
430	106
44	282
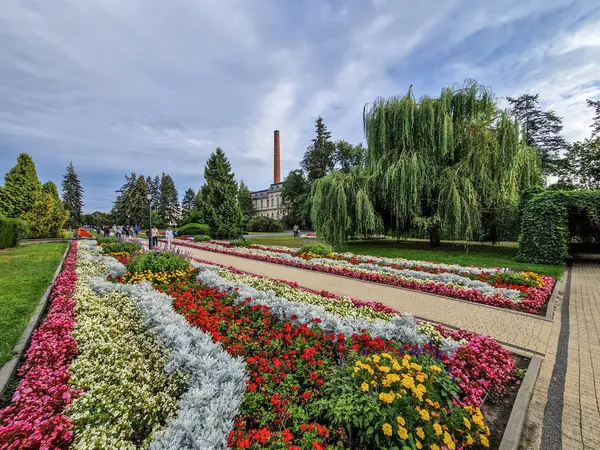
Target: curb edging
514	428
8	370
559	285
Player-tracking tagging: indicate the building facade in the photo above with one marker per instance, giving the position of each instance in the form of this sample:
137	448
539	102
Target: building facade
268	202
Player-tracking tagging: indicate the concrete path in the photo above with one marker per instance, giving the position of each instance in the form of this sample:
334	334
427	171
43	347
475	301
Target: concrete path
564	412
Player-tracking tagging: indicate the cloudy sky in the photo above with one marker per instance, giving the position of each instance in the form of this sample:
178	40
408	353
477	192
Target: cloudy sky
151	85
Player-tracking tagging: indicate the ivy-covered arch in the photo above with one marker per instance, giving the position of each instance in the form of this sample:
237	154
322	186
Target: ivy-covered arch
552	219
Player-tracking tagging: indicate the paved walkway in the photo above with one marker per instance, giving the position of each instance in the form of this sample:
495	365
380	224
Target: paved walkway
565	408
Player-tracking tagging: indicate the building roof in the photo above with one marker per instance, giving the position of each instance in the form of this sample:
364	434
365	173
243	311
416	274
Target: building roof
275	187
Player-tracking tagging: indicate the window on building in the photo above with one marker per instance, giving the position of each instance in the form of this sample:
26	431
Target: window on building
261	203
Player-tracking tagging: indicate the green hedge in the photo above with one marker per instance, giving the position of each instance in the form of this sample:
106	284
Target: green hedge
11	231
202	238
157	262
317	249
193	229
552	219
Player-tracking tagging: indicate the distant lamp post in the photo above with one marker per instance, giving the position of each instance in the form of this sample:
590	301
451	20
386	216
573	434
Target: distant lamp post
149	197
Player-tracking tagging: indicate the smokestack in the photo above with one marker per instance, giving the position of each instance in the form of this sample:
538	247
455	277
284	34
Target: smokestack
276	158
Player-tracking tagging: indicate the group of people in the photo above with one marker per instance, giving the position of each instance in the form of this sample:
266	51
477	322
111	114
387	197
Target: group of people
121	231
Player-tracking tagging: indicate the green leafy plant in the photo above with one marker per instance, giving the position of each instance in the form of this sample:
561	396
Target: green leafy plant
11	231
192	229
108	240
157	262
240	243
316	249
264	224
115	247
202	238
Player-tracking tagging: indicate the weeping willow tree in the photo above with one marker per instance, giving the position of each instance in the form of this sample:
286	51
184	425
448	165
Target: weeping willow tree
449	165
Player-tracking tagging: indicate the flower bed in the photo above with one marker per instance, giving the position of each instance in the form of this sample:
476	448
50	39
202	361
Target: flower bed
35	417
519	291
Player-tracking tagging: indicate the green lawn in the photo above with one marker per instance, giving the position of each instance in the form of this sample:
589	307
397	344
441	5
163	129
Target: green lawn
476	254
25	272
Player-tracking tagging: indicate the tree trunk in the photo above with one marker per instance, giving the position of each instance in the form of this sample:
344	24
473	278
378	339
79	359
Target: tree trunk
435	236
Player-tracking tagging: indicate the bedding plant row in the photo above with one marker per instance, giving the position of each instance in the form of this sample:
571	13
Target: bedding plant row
521	291
210	357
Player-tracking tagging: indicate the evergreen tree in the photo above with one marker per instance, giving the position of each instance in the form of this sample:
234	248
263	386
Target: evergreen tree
168	208
245	201
72	196
138	206
541	129
188	200
295	195
21	188
121	210
318	160
154	189
219	195
48	214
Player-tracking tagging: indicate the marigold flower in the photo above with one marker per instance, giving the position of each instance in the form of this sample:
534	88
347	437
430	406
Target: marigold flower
400	420
364	386
420	432
403	433
424	414
484	440
387	429
437	428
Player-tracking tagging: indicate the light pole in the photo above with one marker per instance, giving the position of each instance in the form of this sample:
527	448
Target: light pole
149	197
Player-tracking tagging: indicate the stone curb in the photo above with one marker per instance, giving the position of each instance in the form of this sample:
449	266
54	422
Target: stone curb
9	368
558	286
514	428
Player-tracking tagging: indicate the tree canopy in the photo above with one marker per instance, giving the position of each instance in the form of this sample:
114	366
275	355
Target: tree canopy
22	188
446	165
72	196
168	204
245	201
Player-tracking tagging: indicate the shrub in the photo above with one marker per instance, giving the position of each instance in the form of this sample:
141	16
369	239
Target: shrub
157	262
192	229
552	218
240	243
202	238
11	231
117	247
261	223
108	240
316	249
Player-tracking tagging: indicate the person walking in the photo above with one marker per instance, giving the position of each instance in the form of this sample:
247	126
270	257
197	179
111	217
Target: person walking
136	230
169	236
106	230
296	230
154	236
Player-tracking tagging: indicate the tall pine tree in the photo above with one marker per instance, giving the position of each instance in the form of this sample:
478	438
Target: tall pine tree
168	207
138	202
541	129
318	160
219	194
121	210
188	200
72	196
21	188
245	201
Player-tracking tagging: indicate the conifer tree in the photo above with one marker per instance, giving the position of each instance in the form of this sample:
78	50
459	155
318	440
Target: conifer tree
188	200
219	195
48	214
72	196
21	188
245	201
168	207
318	160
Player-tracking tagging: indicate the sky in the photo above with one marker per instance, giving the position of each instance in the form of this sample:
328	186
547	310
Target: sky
152	86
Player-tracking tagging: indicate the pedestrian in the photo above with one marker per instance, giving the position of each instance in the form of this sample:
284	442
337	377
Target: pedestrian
118	232
296	230
154	236
105	229
136	230
126	231
169	236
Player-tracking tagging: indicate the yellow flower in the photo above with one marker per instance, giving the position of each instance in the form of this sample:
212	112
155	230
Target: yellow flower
434	447
376	358
403	433
387	398
364	386
449	441
387	429
424	414
469	440
419	445
467	423
420	432
400	420
384	369
435	369
421	377
437	428
484	440
387	355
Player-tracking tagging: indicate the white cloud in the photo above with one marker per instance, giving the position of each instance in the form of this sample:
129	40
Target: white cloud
152	86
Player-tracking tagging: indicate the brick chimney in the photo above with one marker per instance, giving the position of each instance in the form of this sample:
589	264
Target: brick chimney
276	158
